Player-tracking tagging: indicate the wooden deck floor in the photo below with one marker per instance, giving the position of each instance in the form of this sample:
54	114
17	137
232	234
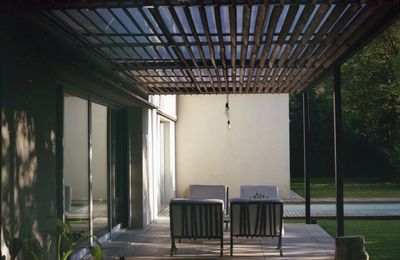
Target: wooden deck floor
300	241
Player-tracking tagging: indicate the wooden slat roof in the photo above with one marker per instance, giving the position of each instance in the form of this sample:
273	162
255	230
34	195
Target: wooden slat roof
218	47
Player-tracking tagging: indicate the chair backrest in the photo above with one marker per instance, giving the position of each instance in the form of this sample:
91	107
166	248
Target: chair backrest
190	218
199	191
259	192
256	217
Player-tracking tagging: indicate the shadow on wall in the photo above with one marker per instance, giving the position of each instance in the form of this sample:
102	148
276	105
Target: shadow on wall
28	181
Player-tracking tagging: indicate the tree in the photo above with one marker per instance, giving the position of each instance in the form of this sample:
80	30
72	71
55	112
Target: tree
371	112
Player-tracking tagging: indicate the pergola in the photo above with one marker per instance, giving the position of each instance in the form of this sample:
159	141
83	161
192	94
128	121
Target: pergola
225	47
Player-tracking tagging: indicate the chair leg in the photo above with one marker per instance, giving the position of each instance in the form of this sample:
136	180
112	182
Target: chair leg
280	244
231	246
173	247
222	245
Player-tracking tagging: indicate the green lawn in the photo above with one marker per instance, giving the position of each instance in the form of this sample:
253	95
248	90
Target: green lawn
353	188
382	237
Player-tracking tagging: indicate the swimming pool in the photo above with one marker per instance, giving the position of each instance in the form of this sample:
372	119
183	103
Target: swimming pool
348	207
373	209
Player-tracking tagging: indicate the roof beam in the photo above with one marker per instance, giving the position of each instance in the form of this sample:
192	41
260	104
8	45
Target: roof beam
198	45
258	32
186	41
291	14
204	22
276	13
67	4
245	38
217	13
172	64
233	32
274	59
354	10
374	19
157	16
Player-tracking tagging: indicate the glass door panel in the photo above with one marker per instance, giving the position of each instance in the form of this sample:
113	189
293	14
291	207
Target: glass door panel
95	166
119	179
76	163
99	169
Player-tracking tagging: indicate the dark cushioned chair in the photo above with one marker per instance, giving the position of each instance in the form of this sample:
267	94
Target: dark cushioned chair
196	219
256	218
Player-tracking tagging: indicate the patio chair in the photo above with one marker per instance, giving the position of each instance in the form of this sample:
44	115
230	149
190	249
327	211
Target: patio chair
221	192
259	192
200	191
256	218
196	219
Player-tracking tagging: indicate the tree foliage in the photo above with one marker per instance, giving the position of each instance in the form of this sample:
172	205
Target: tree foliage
371	113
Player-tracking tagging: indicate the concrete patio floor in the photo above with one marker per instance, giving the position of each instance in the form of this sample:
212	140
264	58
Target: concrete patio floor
300	241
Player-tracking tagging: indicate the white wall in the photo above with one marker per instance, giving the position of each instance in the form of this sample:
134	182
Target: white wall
254	151
147	156
165	104
169	162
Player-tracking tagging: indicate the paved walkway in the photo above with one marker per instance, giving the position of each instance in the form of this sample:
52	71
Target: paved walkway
299	242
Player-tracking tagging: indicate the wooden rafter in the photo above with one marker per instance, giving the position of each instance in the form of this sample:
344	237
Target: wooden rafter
197	40
157	16
186	41
218	23
204	22
276	13
258	32
291	45
245	28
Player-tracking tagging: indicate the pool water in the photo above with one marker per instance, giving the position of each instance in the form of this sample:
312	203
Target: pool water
373	207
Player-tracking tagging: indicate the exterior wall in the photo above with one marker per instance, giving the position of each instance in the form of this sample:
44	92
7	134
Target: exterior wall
169	165
148	171
31	70
254	151
28	194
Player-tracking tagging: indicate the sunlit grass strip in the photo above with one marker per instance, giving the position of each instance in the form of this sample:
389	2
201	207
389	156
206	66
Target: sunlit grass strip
353	188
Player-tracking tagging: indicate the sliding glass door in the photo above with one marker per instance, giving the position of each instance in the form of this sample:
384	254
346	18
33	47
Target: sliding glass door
119	169
94	159
99	169
76	163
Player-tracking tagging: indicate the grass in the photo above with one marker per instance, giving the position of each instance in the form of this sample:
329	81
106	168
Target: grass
353	188
71	222
382	237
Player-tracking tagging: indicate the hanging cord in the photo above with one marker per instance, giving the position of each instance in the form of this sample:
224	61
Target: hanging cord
227	111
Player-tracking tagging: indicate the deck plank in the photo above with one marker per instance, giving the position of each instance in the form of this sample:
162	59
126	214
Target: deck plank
300	241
